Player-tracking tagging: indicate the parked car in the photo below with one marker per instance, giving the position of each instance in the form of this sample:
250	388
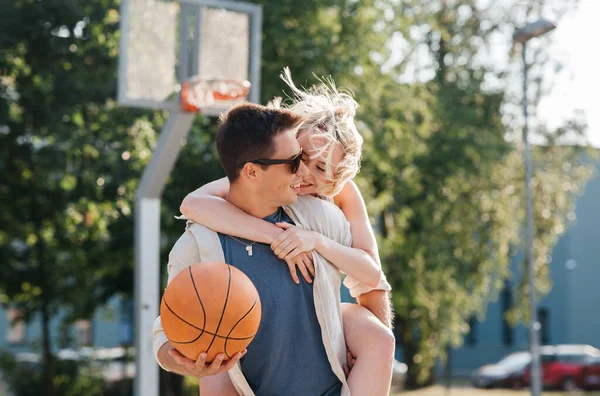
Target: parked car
562	365
590	375
507	373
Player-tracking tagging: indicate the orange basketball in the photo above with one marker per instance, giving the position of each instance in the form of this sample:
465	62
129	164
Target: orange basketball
210	307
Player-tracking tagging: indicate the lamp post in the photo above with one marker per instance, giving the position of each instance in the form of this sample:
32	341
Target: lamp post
523	35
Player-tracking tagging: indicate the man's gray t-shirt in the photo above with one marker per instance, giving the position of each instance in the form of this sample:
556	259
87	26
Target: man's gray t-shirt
287	356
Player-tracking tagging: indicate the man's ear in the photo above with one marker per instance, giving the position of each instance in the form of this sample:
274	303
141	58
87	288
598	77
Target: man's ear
249	171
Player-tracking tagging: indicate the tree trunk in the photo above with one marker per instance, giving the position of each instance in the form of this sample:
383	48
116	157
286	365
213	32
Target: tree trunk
49	364
409	344
412	373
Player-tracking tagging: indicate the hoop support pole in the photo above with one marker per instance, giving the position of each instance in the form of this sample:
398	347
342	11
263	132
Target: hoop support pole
147	248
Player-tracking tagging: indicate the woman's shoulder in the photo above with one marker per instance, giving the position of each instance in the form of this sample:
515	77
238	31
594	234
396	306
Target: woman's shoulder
349	197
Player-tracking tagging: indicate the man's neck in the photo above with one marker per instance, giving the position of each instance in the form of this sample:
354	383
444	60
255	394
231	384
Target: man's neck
249	203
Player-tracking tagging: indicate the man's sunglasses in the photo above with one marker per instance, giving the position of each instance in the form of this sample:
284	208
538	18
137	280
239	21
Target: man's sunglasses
294	162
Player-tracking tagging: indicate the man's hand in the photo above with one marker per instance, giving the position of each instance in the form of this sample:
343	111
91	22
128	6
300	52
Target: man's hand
293	241
199	368
350	360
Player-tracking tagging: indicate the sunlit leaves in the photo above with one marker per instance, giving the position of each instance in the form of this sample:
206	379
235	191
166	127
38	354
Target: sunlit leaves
447	188
67	191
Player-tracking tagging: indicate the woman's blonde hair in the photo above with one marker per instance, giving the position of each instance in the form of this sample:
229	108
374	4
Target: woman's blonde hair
329	114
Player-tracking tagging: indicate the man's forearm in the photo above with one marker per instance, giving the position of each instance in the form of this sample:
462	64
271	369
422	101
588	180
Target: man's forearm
378	302
167	360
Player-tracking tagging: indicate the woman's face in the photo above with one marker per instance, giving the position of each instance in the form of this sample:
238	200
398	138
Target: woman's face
316	179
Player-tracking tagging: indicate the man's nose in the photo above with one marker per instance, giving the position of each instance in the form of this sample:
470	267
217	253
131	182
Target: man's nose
302	169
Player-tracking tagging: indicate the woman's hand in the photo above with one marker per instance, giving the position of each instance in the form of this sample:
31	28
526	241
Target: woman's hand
293	241
305	264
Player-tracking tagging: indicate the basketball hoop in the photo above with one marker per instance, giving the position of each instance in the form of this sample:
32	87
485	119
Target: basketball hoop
197	93
183	56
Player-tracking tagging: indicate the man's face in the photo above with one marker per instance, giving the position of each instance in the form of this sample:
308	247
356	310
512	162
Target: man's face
278	185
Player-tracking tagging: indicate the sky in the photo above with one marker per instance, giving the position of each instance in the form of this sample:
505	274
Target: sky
573	44
578	84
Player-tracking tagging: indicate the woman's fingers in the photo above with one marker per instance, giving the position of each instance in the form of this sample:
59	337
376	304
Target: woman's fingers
304	271
284	248
278	239
282	236
289	251
309	264
293	272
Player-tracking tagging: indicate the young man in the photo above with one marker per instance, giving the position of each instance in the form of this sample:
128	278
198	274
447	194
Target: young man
299	348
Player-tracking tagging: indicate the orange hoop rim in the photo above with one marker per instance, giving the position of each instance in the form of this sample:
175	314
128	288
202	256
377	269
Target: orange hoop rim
242	88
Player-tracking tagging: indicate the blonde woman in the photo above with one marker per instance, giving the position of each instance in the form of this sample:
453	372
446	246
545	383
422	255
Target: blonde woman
331	150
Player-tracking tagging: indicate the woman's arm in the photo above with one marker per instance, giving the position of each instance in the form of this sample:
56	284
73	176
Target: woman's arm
207	206
352	204
359	261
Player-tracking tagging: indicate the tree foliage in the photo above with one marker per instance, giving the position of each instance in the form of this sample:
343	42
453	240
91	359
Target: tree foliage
447	180
70	160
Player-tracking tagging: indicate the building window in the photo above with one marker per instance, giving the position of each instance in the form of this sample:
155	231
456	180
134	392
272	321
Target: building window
506	302
16	330
544	319
83	332
471	338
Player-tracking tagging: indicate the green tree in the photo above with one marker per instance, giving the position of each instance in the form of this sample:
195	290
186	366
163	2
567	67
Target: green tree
70	160
446	181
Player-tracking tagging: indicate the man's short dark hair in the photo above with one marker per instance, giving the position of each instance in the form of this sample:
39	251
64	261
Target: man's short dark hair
246	133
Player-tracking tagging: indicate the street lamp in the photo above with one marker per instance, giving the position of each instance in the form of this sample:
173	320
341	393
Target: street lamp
523	35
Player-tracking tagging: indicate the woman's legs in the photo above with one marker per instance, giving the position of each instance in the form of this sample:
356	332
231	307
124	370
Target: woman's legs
373	345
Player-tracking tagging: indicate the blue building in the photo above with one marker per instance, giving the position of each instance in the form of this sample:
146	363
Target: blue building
567	314
110	327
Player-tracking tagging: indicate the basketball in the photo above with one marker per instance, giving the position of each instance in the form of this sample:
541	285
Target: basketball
210	307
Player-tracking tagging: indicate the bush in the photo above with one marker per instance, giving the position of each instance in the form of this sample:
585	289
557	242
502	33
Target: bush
73	378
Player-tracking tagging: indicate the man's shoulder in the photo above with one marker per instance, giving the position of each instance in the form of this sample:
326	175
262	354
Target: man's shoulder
198	238
192	232
198	229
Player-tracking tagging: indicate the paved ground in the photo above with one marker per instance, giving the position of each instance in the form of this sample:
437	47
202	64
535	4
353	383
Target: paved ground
468	391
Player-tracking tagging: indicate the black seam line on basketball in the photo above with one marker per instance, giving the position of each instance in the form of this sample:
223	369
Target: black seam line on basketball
236	323
224	308
185	321
199	299
219	336
200	330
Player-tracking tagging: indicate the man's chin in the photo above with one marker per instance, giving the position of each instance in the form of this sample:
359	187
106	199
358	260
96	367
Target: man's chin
291	199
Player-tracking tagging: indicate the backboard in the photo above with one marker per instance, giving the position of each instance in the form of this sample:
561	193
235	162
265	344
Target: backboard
164	43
